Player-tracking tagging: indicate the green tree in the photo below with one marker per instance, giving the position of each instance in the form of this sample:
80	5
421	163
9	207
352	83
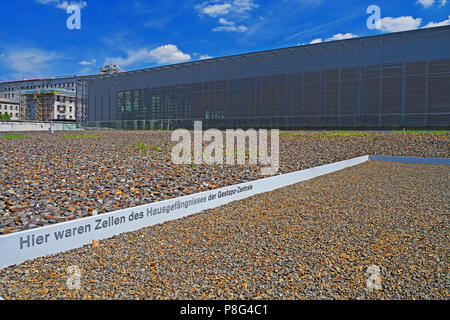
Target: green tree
5	116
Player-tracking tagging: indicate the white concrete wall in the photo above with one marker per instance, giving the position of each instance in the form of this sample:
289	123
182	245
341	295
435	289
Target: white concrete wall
11	126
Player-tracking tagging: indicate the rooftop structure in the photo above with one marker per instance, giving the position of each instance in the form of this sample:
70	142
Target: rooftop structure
109	69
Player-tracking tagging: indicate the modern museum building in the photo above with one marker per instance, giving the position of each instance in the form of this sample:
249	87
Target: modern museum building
395	80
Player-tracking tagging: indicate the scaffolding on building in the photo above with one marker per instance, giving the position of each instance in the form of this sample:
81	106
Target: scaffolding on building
37	105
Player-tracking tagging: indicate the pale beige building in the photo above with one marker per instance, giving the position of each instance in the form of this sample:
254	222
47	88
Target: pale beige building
11	107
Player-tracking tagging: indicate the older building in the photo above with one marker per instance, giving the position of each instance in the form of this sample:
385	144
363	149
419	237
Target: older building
48	104
11	89
10	107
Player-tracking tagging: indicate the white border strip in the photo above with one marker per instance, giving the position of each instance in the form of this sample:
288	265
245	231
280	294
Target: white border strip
18	247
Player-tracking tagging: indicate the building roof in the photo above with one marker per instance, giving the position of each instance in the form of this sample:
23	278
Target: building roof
44	79
259	53
49	91
8	101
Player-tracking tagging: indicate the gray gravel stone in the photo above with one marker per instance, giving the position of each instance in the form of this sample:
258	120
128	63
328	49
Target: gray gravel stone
312	240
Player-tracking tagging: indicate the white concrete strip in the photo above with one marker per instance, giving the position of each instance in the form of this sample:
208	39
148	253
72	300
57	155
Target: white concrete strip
24	126
18	247
411	160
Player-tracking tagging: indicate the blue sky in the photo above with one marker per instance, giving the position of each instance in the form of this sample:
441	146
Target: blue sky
35	41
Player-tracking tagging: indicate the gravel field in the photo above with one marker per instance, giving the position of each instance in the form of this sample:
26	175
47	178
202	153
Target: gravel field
312	240
49	178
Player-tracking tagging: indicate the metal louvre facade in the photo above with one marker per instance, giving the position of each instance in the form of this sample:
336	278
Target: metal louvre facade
385	81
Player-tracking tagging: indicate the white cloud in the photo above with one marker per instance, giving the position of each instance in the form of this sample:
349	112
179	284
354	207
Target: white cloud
429	3
205	56
165	54
438	24
426	3
168	53
230	26
31	61
342	36
214	9
226	22
240	28
318	40
88	63
337	36
389	24
132	57
235	9
243	5
63	4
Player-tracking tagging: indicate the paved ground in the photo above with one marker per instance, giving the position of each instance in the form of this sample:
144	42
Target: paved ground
48	178
313	240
